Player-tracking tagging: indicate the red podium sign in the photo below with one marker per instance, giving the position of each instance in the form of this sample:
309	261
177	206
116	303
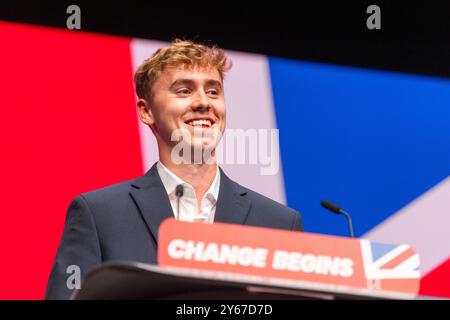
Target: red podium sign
289	255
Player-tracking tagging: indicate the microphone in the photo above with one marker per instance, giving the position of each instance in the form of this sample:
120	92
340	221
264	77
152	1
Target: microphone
179	190
338	210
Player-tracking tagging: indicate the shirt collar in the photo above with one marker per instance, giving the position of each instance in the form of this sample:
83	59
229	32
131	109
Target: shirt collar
170	182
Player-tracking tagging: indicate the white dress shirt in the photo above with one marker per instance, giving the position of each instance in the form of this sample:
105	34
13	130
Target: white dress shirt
189	210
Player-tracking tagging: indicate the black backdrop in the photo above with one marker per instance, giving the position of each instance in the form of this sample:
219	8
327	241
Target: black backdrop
414	38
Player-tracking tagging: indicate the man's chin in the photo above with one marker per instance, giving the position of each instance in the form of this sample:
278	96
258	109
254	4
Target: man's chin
203	152
203	147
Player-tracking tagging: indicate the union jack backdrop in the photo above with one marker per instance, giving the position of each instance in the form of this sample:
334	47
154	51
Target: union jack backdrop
376	142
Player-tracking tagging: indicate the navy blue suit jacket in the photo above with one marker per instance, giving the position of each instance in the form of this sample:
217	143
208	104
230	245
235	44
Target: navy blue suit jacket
121	222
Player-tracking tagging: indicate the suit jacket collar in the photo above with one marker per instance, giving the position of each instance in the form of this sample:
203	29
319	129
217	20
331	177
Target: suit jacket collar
232	205
153	202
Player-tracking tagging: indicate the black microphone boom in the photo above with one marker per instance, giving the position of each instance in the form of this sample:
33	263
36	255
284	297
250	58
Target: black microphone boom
331	206
338	210
179	190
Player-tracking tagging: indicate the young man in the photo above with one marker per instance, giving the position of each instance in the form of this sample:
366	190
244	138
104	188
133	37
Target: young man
181	98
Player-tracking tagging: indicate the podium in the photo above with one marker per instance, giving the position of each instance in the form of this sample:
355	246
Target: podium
137	281
231	262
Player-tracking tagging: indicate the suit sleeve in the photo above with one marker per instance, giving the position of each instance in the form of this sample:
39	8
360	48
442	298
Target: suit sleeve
297	224
79	249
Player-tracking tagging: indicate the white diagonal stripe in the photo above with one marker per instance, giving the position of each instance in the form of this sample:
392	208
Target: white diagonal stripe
424	224
409	264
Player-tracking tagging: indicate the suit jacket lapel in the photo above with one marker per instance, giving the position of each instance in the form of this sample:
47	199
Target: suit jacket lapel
232	205
152	200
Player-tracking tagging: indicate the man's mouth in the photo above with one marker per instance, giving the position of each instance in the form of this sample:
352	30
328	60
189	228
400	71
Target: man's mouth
200	123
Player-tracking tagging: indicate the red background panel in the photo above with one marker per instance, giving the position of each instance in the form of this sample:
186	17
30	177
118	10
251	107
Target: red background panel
437	282
68	125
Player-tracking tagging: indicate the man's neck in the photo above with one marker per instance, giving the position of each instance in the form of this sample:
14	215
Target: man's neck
199	176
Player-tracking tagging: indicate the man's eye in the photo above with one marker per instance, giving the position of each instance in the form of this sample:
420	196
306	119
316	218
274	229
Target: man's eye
184	91
213	92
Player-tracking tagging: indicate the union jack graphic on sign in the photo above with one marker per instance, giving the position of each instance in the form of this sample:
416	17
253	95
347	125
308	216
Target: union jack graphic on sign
386	261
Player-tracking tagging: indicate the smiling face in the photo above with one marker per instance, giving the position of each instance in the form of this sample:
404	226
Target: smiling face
190	101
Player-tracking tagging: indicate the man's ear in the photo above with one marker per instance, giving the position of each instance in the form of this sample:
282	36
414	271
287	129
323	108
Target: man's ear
145	113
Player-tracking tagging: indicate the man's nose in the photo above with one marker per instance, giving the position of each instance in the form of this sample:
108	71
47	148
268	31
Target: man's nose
201	102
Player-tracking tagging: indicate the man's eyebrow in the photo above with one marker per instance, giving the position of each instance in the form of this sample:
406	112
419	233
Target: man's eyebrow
214	83
209	82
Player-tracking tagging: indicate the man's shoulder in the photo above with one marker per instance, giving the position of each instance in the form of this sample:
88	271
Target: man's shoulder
263	201
269	213
110	192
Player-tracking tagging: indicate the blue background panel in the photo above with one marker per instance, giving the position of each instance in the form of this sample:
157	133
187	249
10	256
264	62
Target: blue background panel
371	141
